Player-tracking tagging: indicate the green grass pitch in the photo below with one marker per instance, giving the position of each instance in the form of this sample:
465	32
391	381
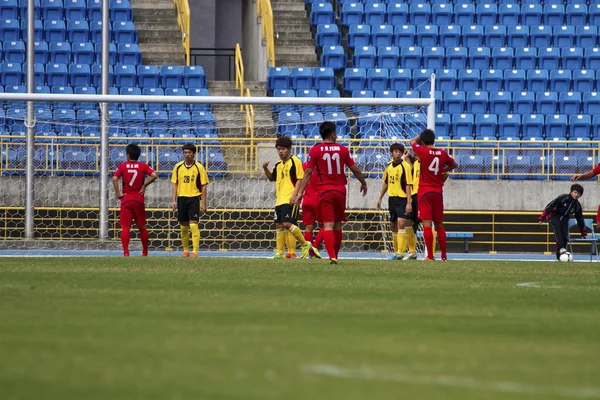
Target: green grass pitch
170	328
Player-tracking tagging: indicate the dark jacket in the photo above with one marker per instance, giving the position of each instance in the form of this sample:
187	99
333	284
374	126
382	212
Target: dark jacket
565	207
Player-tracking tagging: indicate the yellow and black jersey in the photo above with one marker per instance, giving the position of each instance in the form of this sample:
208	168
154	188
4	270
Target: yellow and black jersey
416	171
190	179
286	174
397	178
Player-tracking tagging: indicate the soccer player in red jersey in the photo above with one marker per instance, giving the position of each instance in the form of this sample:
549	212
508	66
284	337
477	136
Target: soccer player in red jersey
435	165
133	208
310	205
590	174
328	159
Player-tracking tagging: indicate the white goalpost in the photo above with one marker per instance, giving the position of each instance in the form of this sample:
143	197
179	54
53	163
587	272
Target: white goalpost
59	167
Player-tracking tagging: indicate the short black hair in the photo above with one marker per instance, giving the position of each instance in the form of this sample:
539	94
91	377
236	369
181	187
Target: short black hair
189	146
133	151
397	146
283	141
577	187
428	137
326	129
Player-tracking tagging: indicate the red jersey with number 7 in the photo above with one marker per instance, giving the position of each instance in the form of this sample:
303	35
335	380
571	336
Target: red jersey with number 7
433	162
134	174
327	161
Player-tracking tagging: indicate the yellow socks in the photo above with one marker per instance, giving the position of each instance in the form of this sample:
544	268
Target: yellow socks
411	240
195	237
395	241
401	241
290	243
297	233
281	236
185	238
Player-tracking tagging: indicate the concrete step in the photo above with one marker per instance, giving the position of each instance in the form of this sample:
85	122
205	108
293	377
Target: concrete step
157	26
152	4
161	48
295	63
294	42
298	35
143	13
166	35
297	58
283	50
156	19
168	60
292	21
171	41
289	14
301	27
287	7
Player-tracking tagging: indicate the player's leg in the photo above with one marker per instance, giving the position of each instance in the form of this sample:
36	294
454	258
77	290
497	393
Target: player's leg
411	238
425	215
340	216
290	243
184	223
338	236
140	221
326	214
125	220
394	229
561	242
194	217
438	219
309	217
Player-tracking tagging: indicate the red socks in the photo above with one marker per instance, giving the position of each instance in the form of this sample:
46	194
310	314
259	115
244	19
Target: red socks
329	238
338	241
319	238
308	236
125	237
428	236
145	240
441	237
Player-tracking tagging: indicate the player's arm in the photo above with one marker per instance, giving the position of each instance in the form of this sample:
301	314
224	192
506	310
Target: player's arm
270	176
408	198
384	188
548	209
300	186
590	174
174	197
117	188
580	221
416	139
450	166
203	207
359	175
153	176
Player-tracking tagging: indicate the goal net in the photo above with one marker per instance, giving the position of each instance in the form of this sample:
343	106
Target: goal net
231	145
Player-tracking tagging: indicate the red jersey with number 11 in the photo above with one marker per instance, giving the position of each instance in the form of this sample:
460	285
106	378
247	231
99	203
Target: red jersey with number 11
433	162
327	161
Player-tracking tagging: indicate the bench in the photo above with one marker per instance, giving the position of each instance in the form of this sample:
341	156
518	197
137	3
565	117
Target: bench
456	235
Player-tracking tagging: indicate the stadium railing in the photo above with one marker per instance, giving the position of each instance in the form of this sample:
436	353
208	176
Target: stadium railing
183	20
265	12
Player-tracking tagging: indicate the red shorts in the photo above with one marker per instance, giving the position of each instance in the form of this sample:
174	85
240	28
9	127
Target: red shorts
132	210
431	207
309	213
332	206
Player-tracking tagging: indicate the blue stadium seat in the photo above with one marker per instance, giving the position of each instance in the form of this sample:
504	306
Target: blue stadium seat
464	14
369	125
502	58
157	124
410	57
492	80
526	58
156	91
124	32
324	79
328	35
586	36
532	125
564	36
166	160
509	125
96	30
129	53
289	124
332	93
420	77
377	79
80	75
382	35
352	14
199	92
310	123
419	14
591	103
193	77
537	80
569	103
479	57
14	52
594	14
456	57
427	35
397	14
55	31
592	58
442	124
486	125
112	53
495	36
307	93
97	75
583	81
205	124
572	58
596	127
115	128
400	79
462	125
278	78
375	13
445	79
454	102
83	53
301	78
553	15
514	80
508	14
176	92
450	36
546	102
38	30
77	31
125	76
147	76
179	122
43	118
518	167
472	36
365	94
10	30
523	102
322	13
283	93
385	94
441	14
333	57
23	9
560	80
404	35
469	79
52	10
130	91
9	9
75	10
477	102
62	90
94	10
39	73
364	57
556	126
340	120
171	76
576	14
388	57
354	79
531	14
487	14
517	36
120	10
433	57
57	74
500	102
65	119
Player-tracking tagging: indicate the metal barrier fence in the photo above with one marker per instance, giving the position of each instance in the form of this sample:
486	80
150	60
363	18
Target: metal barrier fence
218	63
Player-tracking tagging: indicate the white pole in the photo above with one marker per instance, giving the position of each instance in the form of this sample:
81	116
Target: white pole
103	222
431	106
29	175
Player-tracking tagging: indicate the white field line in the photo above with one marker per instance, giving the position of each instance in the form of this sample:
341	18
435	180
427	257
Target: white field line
369	374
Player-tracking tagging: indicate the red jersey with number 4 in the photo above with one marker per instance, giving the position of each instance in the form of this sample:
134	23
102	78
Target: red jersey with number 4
133	174
433	162
311	192
327	161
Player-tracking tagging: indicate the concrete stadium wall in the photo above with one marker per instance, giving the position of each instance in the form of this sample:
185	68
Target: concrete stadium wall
256	192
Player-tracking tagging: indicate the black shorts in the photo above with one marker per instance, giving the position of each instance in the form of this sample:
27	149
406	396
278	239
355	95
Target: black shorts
397	207
188	209
286	213
415	208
